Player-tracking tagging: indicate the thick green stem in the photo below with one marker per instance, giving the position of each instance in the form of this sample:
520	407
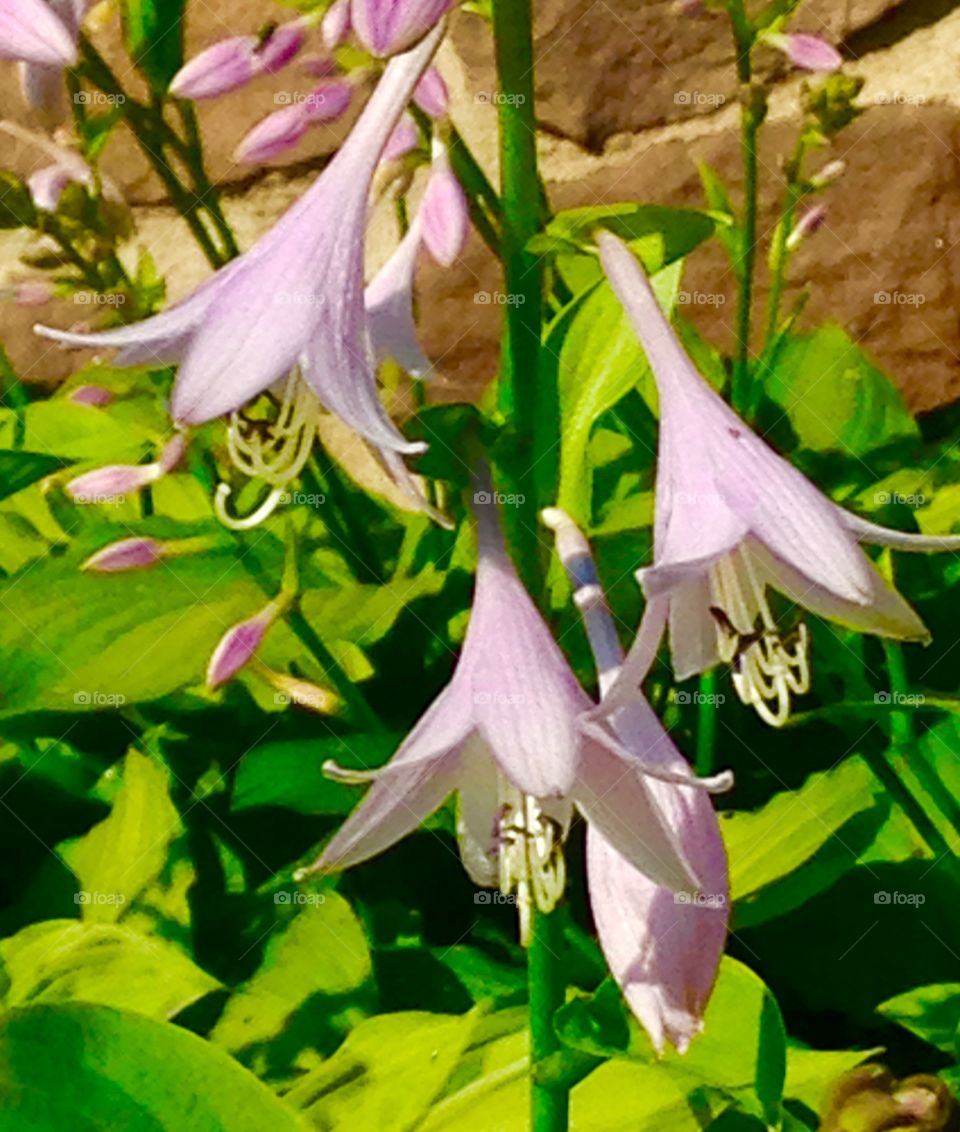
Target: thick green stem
521	202
549	1101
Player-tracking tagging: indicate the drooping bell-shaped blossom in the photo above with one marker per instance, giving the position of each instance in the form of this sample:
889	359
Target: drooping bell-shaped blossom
663	947
808	52
444	211
733	520
222	67
431	94
388	27
239	644
33	31
116	481
335	25
505	736
293	304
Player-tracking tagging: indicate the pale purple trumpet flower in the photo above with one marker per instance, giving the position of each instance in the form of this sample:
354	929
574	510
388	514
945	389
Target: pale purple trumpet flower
115	481
663	947
734	519
808	52
444	210
388	27
33	31
505	736
239	644
290	309
42	83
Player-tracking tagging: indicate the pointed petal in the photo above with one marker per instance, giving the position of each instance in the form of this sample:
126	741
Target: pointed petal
423	772
478	812
30	30
664	953
693	632
865	531
642	654
525	697
885	614
389	302
445	214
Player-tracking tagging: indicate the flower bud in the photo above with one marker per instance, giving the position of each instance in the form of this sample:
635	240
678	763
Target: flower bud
444	212
94	395
831	172
335	25
113	482
33	292
127	554
811	221
404	139
302	693
281	46
46	185
273	135
808	52
173	452
387	27
431	94
238	645
328	101
221	68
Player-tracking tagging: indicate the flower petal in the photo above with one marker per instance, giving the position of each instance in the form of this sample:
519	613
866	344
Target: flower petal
478	812
414	783
693	632
664	953
389	302
30	30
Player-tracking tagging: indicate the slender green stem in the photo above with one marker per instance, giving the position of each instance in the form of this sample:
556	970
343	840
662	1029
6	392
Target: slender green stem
205	188
549	1101
707	723
521	201
909	804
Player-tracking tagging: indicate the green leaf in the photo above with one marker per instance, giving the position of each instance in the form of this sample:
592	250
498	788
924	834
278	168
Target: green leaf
17	209
599	361
153	31
321	951
811	1072
78	961
89	1068
804	835
931	1012
834	396
62	428
20	469
122	856
386	1075
290	774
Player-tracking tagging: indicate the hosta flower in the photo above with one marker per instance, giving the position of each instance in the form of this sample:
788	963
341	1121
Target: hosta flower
385	27
505	737
734	520
662	946
444	211
42	81
283	129
239	644
34	31
290	309
808	52
231	63
116	481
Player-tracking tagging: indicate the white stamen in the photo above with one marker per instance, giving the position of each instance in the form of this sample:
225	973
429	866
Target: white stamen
532	864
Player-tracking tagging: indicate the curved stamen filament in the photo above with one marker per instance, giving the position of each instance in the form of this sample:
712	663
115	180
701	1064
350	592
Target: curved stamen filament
768	670
532	864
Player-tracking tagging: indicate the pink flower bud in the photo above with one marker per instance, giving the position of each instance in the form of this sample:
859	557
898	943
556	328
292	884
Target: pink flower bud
173	452
320	66
282	45
404	139
127	554
335	25
46	185
808	52
273	135
811	221
226	66
91	395
387	27
431	94
328	101
113	483
444	213
238	645
33	292
831	172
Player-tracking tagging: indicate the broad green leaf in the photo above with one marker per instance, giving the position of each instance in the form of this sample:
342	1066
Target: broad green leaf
599	362
931	1012
68	431
834	396
811	1072
290	774
386	1075
20	469
321	951
90	1068
75	641
623	1095
78	961
799	829
122	856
